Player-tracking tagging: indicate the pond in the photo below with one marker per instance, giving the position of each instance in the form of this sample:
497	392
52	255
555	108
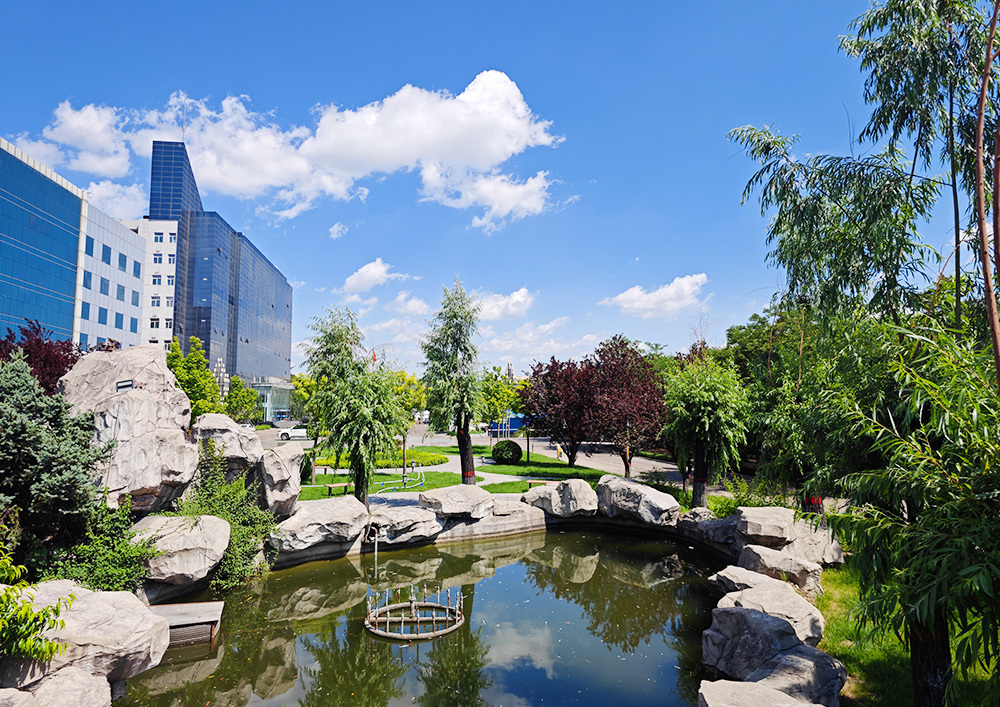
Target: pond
558	618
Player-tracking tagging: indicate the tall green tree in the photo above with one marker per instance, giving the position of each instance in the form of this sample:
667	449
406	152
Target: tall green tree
454	390
303	387
706	412
195	378
242	403
498	395
357	401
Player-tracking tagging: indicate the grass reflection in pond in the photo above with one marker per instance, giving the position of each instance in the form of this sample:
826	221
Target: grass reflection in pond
557	618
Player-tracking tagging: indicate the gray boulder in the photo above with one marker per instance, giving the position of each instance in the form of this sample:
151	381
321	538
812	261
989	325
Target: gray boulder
110	634
741	640
461	501
331	520
619	497
774	563
240	447
736	579
727	693
814	543
406	524
94	378
804	673
72	686
574	497
784	603
190	548
280	478
769	526
9	697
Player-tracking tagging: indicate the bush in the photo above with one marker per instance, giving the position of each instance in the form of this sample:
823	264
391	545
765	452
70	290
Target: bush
21	624
392	462
236	503
506	452
760	494
109	560
305	472
263	426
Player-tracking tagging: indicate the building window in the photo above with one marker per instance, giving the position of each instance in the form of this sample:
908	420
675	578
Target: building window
85	310
136	269
122	262
102	315
135	298
105	286
120	296
106	254
88	279
171	259
83	341
170	280
168	323
157	280
173	237
119	320
158	238
154	301
170	301
157	258
89	248
133	325
154	341
154	323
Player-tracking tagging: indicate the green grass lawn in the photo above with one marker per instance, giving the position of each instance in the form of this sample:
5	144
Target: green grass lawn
478	450
507	487
546	468
878	670
432	480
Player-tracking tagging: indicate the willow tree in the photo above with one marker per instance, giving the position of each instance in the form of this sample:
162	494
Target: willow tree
355	399
454	390
707	408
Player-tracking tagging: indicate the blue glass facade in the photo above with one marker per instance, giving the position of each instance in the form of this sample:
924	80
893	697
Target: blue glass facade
227	293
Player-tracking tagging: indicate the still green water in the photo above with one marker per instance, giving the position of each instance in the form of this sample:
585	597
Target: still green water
551	619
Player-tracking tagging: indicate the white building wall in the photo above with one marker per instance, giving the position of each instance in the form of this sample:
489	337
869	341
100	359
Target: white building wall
159	278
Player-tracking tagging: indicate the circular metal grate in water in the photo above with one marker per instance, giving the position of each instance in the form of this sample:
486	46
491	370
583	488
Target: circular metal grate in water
413	620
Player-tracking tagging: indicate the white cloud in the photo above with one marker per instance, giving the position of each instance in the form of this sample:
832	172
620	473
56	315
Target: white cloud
47	153
664	302
458	144
117	200
405	304
370	275
337	230
512	306
537	342
297	284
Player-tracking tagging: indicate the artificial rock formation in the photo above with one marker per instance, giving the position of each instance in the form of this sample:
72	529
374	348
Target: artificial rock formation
190	548
803	574
72	686
240	447
573	497
405	524
728	693
776	528
279	474
332	520
742	640
804	673
462	501
9	697
784	603
623	498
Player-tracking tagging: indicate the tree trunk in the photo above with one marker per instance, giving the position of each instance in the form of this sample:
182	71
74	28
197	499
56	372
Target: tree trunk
930	662
571	451
360	480
954	201
465	450
627	461
699	492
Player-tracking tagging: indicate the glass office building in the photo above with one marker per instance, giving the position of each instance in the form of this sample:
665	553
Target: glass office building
227	294
63	262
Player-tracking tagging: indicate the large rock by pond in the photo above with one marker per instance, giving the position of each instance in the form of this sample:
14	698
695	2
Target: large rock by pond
9	697
110	634
803	574
327	521
406	524
460	501
240	447
72	686
776	528
742	640
804	673
784	603
190	548
729	693
623	498
736	579
573	497
279	473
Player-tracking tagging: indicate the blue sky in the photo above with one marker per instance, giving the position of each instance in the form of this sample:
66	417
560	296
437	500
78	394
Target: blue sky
568	161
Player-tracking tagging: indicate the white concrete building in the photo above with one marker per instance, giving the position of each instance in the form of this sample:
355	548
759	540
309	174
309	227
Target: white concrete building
157	325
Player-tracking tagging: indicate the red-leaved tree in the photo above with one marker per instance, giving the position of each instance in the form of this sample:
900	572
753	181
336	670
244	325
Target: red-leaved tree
628	409
50	359
559	403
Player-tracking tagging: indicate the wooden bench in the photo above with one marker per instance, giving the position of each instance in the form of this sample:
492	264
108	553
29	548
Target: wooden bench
540	483
331	487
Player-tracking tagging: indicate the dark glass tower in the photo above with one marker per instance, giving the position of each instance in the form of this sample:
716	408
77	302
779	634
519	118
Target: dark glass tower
227	293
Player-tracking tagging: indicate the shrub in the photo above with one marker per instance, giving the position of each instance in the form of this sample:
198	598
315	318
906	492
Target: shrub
21	624
305	472
506	452
760	494
390	462
236	503
109	560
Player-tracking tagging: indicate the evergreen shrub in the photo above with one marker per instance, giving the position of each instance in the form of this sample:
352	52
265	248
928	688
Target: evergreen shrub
506	452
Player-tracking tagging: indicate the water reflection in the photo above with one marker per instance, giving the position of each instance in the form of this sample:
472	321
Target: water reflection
553	618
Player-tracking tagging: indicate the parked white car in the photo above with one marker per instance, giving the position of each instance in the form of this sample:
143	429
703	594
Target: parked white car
297	432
